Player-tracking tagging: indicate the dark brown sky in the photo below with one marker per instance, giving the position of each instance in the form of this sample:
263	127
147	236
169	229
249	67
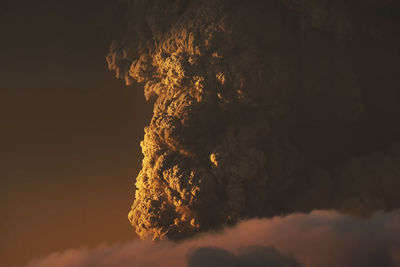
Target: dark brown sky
70	131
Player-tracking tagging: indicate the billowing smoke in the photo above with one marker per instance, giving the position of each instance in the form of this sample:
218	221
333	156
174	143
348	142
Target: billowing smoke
262	108
321	238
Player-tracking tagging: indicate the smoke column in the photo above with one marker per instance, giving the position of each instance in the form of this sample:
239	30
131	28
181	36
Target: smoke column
262	108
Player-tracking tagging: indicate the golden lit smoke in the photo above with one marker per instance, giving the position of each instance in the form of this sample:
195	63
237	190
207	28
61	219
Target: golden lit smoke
243	92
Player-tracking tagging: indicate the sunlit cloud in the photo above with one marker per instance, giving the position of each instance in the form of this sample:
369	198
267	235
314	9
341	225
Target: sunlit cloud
321	238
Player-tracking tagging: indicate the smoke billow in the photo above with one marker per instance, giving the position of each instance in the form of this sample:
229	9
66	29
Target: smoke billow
262	108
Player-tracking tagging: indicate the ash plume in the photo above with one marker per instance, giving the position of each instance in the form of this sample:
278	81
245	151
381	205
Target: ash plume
262	108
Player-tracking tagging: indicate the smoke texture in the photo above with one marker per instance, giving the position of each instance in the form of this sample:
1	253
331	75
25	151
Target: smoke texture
321	238
262	108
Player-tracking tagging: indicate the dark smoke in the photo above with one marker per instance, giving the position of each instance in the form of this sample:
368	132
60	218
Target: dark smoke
262	108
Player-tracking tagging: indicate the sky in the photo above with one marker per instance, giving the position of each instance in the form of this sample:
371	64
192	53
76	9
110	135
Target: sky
70	131
283	150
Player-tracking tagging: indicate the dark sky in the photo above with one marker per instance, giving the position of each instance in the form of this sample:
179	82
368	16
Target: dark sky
70	131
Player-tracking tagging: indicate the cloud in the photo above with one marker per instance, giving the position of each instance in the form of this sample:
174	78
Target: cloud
321	238
261	108
256	256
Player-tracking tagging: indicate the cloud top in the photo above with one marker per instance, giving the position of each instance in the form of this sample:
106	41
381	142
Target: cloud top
321	238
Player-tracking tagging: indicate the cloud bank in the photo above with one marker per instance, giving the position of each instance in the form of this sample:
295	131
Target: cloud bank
321	238
262	108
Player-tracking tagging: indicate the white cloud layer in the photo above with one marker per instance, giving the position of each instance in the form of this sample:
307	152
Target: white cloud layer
321	238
